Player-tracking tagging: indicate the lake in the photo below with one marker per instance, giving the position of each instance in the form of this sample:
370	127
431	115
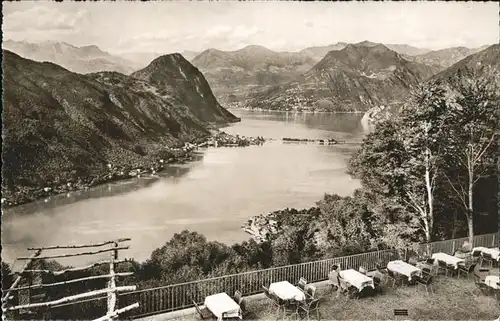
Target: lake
212	195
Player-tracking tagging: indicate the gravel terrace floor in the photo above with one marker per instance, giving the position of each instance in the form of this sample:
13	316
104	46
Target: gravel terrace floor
453	299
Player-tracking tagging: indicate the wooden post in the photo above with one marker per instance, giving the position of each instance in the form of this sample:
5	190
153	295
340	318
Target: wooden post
112	302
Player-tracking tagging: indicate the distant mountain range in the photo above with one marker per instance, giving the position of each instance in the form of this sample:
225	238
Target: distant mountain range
60	126
352	79
237	75
487	60
232	74
444	58
82	60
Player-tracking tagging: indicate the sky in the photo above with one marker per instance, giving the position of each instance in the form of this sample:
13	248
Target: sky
165	27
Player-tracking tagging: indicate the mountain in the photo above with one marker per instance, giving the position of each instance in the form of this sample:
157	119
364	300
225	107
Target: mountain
444	58
60	126
233	74
352	79
480	63
82	60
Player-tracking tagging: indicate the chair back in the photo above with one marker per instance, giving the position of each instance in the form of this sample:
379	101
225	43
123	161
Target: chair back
377	280
413	261
267	293
237	296
311	291
197	308
243	305
486	256
430	261
362	270
302	283
476	253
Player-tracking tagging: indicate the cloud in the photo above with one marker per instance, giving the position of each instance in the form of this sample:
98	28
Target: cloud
42	18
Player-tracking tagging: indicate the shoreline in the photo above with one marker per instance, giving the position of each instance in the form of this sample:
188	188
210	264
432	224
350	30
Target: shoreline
120	173
298	111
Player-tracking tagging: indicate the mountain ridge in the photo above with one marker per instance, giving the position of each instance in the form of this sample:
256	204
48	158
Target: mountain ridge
352	79
85	59
62	128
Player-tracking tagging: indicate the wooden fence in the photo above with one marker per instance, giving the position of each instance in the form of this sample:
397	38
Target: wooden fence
179	296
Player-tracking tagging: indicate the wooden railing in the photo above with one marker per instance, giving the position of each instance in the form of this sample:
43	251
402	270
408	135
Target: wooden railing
179	296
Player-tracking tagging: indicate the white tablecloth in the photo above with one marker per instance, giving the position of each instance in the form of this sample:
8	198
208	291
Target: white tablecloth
286	291
492	281
494	252
356	278
221	303
448	259
403	268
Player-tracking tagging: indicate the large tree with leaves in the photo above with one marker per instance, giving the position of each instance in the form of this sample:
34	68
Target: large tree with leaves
423	132
399	164
473	117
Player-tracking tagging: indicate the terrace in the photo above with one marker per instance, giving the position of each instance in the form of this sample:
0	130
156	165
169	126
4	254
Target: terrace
453	298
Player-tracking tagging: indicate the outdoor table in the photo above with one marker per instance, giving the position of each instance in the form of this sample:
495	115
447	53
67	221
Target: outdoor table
448	259
286	291
222	303
403	268
494	252
492	281
356	279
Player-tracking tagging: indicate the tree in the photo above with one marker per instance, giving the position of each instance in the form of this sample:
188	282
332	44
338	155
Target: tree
422	130
473	121
341	228
7	276
380	165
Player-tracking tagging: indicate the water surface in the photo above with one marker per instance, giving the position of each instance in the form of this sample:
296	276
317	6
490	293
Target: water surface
212	195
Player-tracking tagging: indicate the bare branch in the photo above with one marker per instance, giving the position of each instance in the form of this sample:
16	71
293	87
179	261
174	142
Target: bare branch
79	246
460	195
76	254
73	269
38	286
18	279
72	298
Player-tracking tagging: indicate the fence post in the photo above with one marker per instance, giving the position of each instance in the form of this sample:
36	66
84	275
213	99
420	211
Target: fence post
493	244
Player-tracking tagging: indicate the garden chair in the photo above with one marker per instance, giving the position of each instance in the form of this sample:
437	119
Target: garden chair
476	254
429	261
443	266
413	261
237	296
245	313
291	308
395	277
274	299
204	312
425	280
362	270
377	283
480	273
309	307
466	268
302	284
310	292
486	257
